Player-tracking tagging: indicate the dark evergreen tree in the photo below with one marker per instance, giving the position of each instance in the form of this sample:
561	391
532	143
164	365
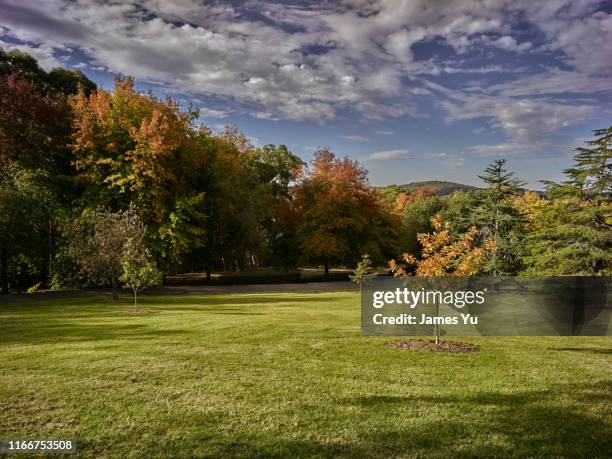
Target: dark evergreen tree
574	232
498	220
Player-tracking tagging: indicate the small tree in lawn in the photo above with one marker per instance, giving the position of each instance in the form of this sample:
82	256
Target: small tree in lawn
444	255
364	270
98	242
139	269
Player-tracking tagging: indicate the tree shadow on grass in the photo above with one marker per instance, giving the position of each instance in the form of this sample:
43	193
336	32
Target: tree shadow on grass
532	423
552	423
525	424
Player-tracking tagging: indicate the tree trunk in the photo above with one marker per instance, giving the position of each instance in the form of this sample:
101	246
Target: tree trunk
3	273
436	326
495	239
51	257
326	273
207	269
114	285
135	301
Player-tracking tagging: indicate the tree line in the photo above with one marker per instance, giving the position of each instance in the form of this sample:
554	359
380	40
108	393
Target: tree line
105	186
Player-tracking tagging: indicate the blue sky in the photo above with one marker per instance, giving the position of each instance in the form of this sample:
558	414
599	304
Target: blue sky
415	90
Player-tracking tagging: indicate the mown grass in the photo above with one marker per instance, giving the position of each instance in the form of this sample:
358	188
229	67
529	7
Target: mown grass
288	375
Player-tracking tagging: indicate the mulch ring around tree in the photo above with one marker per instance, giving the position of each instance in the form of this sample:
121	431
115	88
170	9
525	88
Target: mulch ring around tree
421	345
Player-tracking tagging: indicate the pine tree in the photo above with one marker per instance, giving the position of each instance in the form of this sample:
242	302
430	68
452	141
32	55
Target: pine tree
498	219
573	234
590	179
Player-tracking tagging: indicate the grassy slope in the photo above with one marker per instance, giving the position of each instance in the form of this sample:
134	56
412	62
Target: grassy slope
288	375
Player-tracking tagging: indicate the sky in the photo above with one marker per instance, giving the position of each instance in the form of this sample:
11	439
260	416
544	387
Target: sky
413	89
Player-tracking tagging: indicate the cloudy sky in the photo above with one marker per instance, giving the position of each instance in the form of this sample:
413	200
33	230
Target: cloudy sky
414	89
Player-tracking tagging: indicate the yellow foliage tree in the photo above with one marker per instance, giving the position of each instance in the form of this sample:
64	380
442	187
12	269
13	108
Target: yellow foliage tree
444	255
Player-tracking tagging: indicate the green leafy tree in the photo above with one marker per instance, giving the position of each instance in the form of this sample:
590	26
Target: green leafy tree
590	178
139	268
57	81
23	233
273	168
69	81
232	230
417	217
364	270
457	210
35	157
183	232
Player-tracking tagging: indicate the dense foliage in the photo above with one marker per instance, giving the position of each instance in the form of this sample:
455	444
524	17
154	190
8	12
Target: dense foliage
83	169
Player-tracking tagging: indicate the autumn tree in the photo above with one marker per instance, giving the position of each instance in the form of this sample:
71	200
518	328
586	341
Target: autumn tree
98	242
135	149
445	255
530	205
339	213
34	126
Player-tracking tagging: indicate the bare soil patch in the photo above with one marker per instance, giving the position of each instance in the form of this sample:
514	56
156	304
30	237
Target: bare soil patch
422	345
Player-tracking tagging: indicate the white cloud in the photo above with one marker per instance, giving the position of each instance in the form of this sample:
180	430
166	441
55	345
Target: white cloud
521	119
385	155
303	61
543	149
554	81
504	149
510	44
356	138
212	113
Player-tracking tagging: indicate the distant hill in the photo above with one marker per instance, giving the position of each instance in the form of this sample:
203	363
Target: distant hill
444	188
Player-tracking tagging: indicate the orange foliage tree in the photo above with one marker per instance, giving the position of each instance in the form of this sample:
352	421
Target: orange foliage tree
129	144
340	216
132	148
445	255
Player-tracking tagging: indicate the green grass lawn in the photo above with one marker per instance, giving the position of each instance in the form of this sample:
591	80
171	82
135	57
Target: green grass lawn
288	374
